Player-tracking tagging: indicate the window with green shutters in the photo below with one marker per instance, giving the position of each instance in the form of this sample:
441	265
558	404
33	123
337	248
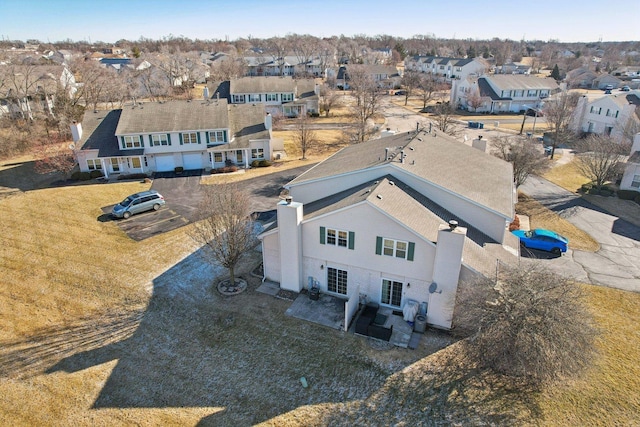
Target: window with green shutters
395	248
334	237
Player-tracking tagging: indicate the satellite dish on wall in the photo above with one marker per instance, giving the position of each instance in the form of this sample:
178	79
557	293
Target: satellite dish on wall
433	287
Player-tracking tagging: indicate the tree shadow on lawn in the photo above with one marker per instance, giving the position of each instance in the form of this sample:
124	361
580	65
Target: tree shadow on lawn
241	356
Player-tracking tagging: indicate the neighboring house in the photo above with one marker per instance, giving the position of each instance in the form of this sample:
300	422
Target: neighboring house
601	82
631	177
267	65
370	223
504	93
280	95
581	78
513	68
448	68
607	115
34	91
160	136
386	76
626	71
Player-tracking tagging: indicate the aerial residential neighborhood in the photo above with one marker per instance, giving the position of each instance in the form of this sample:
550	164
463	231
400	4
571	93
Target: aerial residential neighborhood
235	227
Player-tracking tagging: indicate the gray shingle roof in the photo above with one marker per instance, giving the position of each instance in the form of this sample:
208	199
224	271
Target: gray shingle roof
440	160
518	81
262	84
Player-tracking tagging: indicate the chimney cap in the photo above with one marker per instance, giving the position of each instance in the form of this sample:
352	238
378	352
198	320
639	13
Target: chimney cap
288	199
453	224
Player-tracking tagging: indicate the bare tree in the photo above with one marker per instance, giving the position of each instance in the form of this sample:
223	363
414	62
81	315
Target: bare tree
228	67
527	323
601	158
444	117
410	81
558	112
226	228
303	135
474	100
54	158
95	81
329	98
523	154
631	127
368	97
428	86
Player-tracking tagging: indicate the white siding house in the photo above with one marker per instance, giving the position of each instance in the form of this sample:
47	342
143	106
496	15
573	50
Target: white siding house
608	114
158	137
631	176
371	222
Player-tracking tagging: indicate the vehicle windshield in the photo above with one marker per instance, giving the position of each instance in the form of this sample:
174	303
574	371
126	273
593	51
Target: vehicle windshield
126	202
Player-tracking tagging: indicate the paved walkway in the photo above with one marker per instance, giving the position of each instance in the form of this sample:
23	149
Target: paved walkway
616	263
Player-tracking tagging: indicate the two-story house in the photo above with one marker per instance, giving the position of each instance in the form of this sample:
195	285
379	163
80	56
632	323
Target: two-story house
504	93
385	76
447	68
288	65
373	222
160	136
607	115
631	176
280	95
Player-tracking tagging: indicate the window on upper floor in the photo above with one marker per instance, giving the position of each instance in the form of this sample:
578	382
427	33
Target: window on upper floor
189	137
131	141
593	109
271	97
518	93
532	92
335	237
395	248
237	99
286	97
635	182
255	97
159	139
217	137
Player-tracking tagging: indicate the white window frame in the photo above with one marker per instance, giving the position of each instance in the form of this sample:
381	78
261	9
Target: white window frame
337	237
255	97
395	248
257	153
339	284
217	157
217	136
159	139
190	137
271	97
239	157
237	99
392	294
94	164
635	181
286	97
132	141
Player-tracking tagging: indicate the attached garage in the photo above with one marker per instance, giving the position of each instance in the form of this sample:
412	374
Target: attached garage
192	161
165	163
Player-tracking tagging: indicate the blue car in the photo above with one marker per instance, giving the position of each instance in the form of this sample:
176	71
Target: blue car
542	239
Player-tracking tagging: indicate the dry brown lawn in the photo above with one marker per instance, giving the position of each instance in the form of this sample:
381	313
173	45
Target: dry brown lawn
542	217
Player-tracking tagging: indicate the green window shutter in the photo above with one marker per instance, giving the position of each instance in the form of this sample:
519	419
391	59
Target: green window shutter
198	136
180	136
122	141
169	138
142	141
352	239
207	135
150	141
378	245
322	235
412	248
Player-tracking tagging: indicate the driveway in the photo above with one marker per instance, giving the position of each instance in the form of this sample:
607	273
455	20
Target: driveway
183	194
615	264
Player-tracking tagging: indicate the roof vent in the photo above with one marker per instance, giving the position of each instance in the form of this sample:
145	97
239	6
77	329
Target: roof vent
391	183
453	224
379	196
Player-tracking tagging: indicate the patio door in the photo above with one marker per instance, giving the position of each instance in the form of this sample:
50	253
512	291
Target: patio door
391	293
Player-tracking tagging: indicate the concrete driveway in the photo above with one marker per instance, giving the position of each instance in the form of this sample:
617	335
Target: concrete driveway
615	264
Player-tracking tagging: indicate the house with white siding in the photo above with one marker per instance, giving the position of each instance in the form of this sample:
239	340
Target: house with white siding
631	176
161	136
504	93
447	68
607	115
280	95
393	220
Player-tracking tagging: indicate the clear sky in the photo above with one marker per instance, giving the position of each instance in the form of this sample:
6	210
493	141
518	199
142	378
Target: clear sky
112	20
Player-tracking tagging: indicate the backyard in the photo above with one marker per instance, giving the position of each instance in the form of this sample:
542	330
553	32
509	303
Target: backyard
100	330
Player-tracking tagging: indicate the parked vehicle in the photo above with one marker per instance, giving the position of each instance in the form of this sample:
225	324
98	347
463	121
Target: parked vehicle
534	112
608	87
625	88
542	239
607	92
138	202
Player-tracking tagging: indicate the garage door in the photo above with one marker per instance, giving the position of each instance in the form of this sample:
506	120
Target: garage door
192	161
165	163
